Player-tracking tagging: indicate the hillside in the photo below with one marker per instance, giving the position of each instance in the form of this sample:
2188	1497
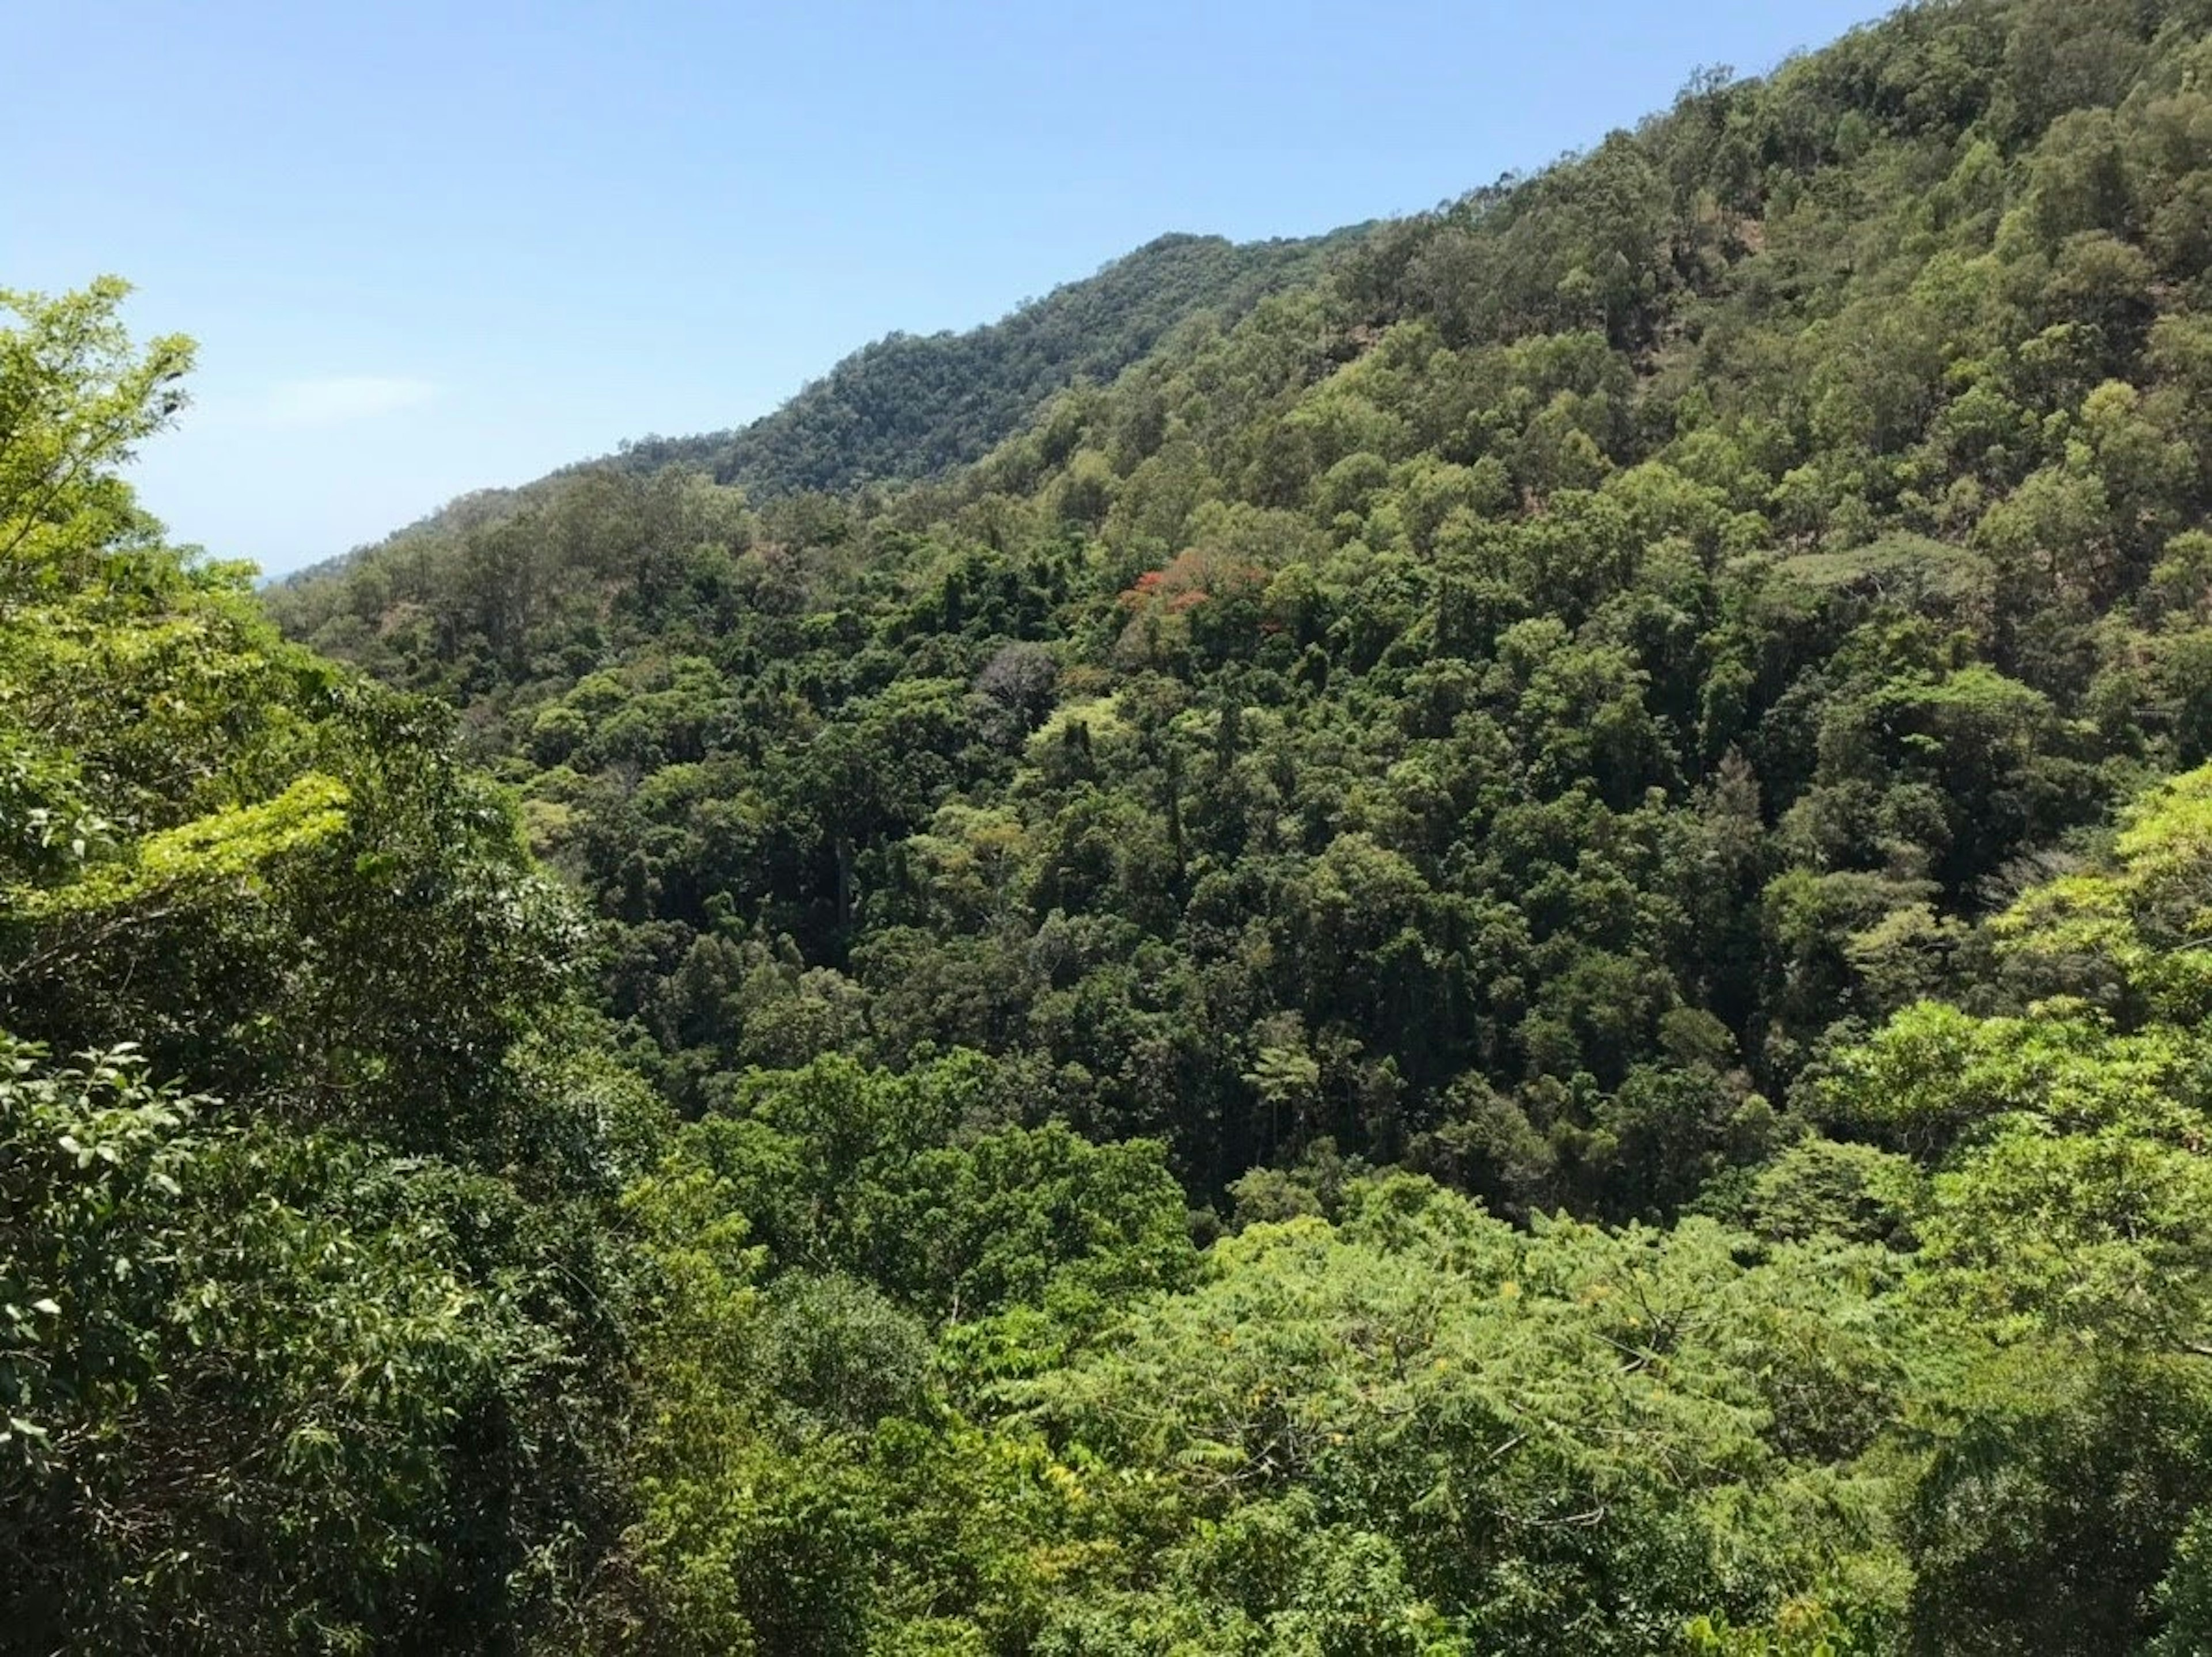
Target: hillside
314	1279
1788	495
913	406
1508	956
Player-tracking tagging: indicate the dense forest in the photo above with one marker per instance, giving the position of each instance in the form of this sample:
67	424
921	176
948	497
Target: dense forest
909	407
1512	952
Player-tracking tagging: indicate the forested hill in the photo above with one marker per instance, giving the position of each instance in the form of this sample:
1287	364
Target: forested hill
1510	957
1509	702
913	406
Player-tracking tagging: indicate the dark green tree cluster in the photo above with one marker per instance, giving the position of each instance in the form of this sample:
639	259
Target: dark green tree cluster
911	407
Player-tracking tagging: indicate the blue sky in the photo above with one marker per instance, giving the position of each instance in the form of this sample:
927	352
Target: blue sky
426	247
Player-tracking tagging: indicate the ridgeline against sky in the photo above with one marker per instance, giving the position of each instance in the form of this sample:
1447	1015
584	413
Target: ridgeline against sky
427	250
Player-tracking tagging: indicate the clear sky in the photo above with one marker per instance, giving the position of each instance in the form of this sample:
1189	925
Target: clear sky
426	247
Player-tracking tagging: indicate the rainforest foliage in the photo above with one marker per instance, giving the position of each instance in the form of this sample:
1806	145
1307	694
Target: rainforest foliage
1514	955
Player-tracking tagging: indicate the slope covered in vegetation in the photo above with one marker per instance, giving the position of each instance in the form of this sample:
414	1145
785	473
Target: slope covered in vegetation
1501	708
312	1288
1510	959
913	406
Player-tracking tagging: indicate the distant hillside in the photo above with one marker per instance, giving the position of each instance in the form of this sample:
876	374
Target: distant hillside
912	406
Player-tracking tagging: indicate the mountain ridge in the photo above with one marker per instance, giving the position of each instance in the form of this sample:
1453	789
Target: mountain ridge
1088	327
